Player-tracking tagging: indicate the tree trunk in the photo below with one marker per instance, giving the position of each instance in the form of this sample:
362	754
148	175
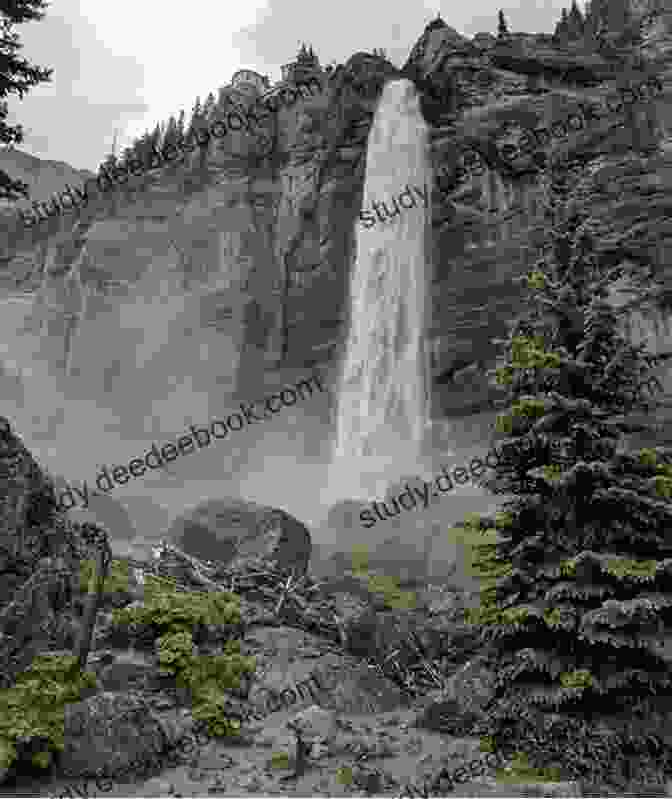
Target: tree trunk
92	604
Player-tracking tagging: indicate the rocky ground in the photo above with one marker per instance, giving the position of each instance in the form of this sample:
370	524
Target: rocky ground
357	689
364	733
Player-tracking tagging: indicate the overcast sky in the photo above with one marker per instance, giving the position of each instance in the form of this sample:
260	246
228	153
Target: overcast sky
129	64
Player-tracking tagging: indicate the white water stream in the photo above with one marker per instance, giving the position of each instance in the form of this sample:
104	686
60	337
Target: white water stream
384	387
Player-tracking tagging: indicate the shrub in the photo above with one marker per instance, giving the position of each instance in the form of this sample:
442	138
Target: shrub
576	601
387	588
173	616
279	760
33	708
116	581
521	771
344	775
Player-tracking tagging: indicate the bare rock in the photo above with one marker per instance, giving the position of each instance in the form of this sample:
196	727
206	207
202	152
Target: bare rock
494	787
455	710
110	732
40	557
296	669
314	725
229	531
27	513
128	671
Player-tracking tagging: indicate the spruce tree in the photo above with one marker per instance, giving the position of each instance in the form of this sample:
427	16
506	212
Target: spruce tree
209	108
156	137
576	599
180	128
502	29
576	21
17	76
171	136
142	148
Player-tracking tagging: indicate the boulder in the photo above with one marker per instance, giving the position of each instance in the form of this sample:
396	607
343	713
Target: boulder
296	670
223	531
115	733
456	709
126	670
352	686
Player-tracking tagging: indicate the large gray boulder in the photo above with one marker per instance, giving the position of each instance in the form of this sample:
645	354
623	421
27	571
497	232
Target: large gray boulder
224	531
115	733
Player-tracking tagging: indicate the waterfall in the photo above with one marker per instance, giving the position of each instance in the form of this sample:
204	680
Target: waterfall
383	398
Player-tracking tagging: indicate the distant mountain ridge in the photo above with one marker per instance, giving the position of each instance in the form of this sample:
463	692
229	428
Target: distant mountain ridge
44	178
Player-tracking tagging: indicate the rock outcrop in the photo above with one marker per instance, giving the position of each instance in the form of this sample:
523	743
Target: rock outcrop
37	557
228	531
296	209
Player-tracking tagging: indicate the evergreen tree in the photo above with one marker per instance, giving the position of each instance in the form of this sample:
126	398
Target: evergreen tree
562	27
127	156
180	128
502	29
110	160
575	21
171	135
196	120
209	108
17	76
156	136
576	599
142	148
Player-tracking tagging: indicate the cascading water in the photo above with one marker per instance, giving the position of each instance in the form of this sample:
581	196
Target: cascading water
384	385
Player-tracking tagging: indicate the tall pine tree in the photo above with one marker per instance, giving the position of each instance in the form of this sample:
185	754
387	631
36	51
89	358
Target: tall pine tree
171	135
16	77
209	108
502	28
180	128
576	599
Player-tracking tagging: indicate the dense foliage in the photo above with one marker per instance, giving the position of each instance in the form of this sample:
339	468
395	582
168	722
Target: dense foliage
576	601
32	710
116	581
17	76
173	617
386	588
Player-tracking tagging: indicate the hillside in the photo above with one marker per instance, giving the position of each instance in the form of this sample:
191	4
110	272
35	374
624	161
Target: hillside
44	178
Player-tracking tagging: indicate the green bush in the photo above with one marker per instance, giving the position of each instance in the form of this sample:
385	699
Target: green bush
280	760
115	582
172	617
521	771
33	708
387	588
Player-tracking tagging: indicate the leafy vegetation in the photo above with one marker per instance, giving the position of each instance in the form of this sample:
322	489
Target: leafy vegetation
173	616
279	760
521	771
344	775
17	76
387	588
116	581
33	708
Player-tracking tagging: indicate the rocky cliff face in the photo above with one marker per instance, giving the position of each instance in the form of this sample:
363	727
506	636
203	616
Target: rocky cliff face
225	230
